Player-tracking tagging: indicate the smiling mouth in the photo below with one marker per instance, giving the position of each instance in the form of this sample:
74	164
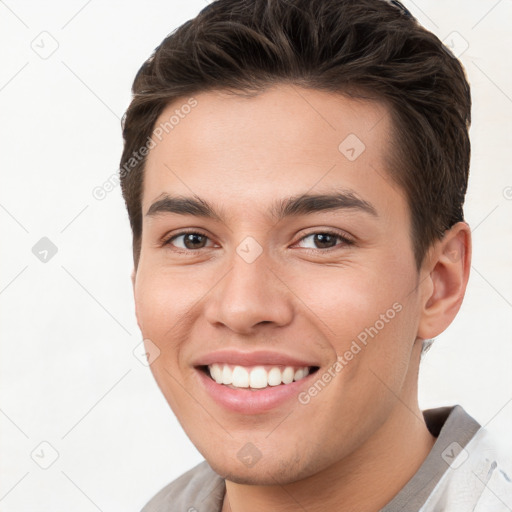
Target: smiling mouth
256	377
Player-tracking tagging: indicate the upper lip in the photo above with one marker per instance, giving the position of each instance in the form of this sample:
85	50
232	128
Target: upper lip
252	358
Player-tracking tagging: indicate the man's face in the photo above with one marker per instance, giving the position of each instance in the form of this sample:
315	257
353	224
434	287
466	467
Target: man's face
255	292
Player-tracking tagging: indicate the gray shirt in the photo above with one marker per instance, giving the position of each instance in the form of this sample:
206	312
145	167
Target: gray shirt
460	474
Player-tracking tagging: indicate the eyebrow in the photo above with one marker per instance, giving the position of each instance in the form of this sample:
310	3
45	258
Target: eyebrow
305	204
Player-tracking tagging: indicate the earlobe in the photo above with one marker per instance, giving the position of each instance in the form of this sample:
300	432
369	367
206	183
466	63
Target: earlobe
446	285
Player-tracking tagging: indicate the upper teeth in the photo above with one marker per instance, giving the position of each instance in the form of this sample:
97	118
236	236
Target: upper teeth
255	377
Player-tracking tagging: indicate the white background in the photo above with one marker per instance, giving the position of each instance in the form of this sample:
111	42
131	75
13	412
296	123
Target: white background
68	373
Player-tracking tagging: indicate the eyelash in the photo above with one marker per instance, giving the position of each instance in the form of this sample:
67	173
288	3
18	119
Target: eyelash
344	239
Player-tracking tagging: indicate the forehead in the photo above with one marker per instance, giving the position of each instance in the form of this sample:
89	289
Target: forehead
287	140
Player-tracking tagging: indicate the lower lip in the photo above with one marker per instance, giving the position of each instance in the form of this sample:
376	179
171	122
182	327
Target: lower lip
247	401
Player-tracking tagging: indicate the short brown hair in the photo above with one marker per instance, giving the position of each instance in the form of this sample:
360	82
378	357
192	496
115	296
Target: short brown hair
362	48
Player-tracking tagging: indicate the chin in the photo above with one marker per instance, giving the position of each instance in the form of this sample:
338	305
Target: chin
248	477
277	472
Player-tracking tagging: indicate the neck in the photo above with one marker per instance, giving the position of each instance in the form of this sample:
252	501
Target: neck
365	480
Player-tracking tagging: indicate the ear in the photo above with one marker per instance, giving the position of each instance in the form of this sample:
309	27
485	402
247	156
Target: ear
444	286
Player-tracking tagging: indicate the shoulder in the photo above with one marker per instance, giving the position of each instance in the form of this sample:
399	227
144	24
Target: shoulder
198	489
478	478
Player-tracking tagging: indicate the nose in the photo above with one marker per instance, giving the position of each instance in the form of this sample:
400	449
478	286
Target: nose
250	294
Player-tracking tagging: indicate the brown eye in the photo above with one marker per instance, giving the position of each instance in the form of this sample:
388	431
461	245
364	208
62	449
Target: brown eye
326	240
190	241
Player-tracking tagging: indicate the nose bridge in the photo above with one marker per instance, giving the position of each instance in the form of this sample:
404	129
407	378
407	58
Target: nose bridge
250	293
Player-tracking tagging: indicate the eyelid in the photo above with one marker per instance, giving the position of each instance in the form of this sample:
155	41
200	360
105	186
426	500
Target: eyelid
345	238
166	239
341	235
331	231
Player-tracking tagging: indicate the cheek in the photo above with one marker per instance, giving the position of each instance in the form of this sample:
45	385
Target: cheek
161	299
162	303
344	302
368	317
